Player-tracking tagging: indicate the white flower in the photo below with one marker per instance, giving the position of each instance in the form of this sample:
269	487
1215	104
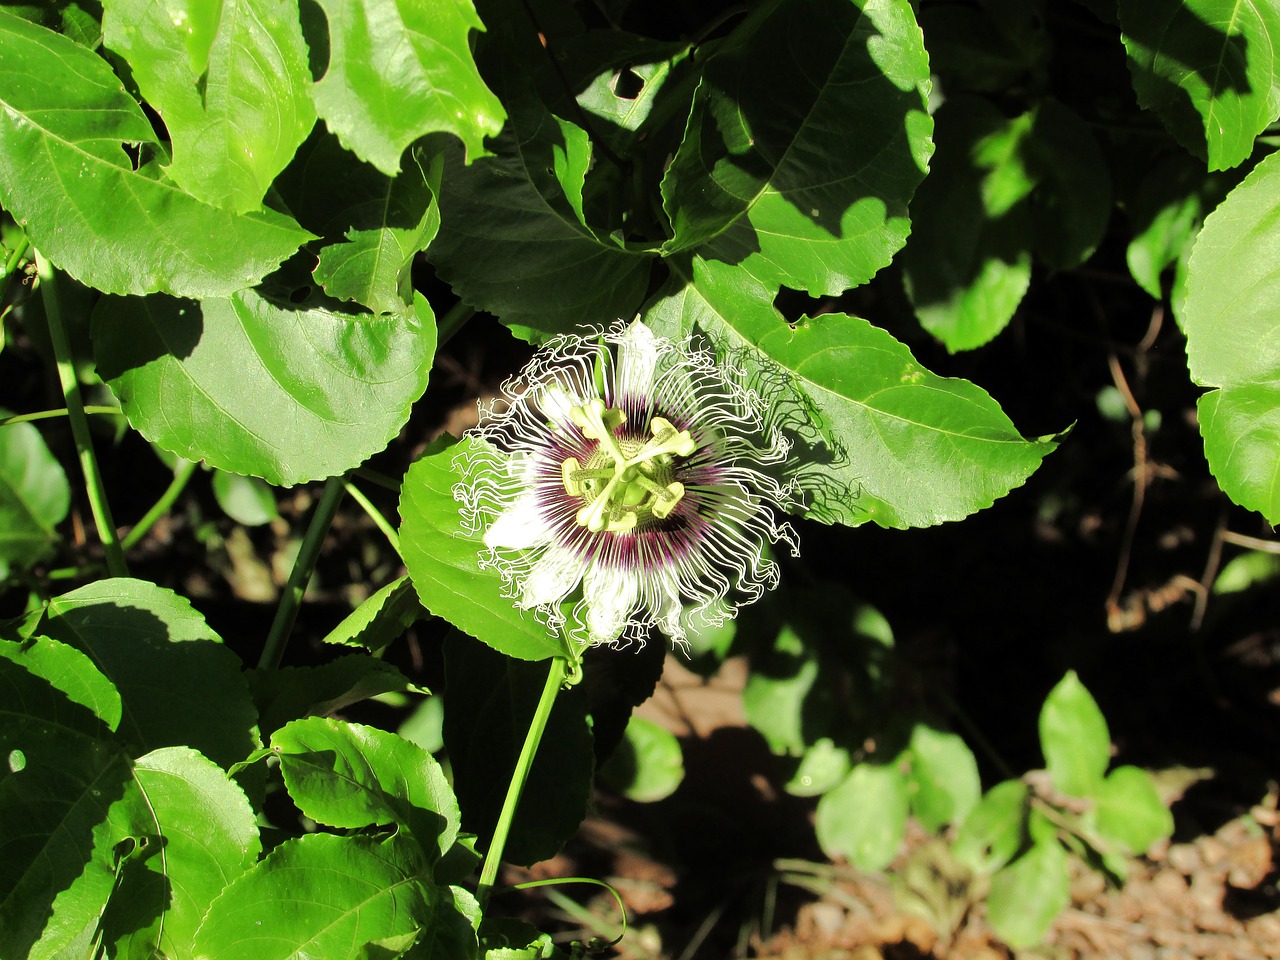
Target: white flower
627	466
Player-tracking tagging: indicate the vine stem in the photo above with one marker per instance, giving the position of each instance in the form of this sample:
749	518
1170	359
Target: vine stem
300	575
94	489
181	474
493	859
60	412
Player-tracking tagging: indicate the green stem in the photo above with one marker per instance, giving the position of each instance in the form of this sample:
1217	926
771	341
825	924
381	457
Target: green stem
374	514
60	412
452	322
79	422
181	474
300	575
493	859
11	265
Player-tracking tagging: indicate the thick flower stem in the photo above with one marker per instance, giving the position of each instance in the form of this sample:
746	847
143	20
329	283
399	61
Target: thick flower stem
300	575
493	859
94	489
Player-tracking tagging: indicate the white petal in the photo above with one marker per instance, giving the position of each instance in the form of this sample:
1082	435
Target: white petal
637	360
519	527
554	402
549	581
666	604
610	596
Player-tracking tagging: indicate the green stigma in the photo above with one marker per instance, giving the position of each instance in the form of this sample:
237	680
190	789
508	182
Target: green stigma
626	479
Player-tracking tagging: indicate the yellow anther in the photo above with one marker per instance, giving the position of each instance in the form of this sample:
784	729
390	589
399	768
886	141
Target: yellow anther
666	500
669	439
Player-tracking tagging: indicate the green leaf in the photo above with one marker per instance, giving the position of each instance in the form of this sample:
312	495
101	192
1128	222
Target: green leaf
69	671
823	765
380	619
968	263
1074	738
386	221
68	183
887	440
178	683
944	777
348	775
291	692
865	817
1208	68
1072	200
783	699
314	393
1129	811
1230	317
400	69
443	561
512	239
231	84
993	831
59	775
197	834
807	138
327	896
490	700
1027	895
648	765
34	497
246	500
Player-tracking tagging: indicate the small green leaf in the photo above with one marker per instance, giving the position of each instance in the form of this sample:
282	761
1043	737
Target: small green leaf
34	497
865	817
944	777
1129	811
66	180
886	440
443	561
70	671
380	619
1027	895
994	829
198	833
399	70
315	392
232	89
1074	737
326	896
349	775
1208	68
1230	317
178	683
648	765
291	692
822	767
770	174
245	500
968	262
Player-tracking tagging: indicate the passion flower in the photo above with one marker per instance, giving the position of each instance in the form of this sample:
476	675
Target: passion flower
627	475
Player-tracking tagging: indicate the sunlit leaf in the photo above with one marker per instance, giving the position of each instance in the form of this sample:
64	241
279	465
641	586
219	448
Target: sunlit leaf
1230	317
1209	68
349	775
1129	810
769	175
993	831
400	69
887	440
67	181
648	765
1027	895
944	777
232	89
315	392
1074	737
865	817
443	560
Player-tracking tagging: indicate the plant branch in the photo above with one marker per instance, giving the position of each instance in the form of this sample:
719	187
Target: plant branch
182	473
300	575
493	859
79	422
374	513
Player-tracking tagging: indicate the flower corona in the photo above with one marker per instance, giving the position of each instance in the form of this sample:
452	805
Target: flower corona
632	469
